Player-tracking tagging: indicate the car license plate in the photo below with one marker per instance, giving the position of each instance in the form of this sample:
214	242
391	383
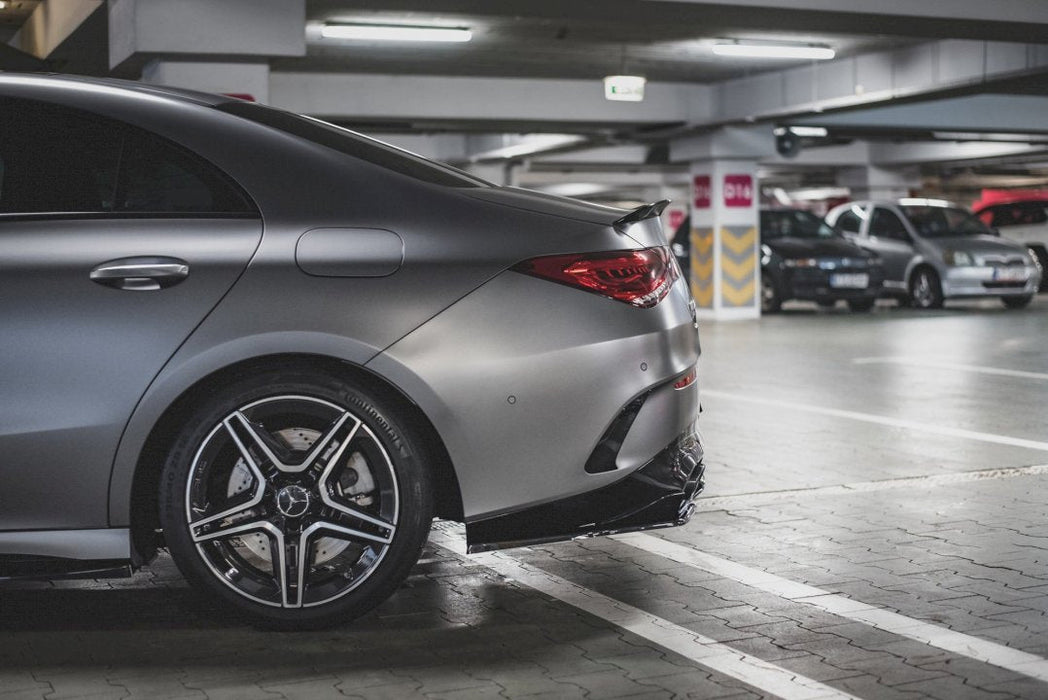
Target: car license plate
856	280
1010	274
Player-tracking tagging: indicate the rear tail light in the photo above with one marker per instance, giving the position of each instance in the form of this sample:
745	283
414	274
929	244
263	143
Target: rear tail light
640	278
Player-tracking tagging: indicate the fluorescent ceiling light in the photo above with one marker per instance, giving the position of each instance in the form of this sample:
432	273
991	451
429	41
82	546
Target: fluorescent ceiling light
624	88
395	32
530	145
816	132
739	49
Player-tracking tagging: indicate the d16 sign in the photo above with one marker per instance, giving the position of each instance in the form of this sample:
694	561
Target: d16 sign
738	190
702	191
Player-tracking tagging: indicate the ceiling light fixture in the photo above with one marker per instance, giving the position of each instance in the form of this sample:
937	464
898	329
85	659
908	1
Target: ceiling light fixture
395	32
816	132
740	49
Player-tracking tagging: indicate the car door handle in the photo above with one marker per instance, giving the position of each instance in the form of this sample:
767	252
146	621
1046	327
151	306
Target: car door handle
142	274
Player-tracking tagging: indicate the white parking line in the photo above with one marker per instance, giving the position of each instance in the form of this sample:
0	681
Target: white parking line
710	653
884	420
842	606
917	362
907	482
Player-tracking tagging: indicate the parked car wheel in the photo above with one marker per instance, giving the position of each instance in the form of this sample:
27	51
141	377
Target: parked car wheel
296	497
771	301
1017	302
925	289
861	305
1040	258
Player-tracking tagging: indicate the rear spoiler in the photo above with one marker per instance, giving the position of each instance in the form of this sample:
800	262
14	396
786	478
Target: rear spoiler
646	211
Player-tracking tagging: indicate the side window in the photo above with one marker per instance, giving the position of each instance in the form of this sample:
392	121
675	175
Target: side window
158	177
55	160
58	160
885	224
848	222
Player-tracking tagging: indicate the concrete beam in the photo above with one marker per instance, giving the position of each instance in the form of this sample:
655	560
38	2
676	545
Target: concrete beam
206	28
996	113
415	97
874	79
51	23
1020	11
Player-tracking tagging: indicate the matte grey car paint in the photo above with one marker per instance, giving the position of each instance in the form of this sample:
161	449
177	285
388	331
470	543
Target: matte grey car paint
449	326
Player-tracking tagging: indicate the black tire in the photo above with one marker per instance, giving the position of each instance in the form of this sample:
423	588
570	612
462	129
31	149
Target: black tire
862	305
346	461
1040	258
1017	302
925	289
771	299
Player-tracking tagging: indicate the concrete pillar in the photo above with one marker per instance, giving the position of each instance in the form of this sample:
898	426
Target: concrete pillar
241	79
875	182
725	245
165	40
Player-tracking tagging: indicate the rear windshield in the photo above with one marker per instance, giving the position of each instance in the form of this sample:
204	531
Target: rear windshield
793	223
354	144
940	222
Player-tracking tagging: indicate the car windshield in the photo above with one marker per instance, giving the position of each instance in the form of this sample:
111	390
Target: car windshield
793	223
939	222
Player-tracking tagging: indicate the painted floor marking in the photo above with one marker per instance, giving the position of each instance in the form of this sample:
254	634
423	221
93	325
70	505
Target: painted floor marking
907	482
843	606
705	651
933	364
884	420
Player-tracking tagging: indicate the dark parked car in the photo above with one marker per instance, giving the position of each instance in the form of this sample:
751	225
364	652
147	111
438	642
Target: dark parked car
802	258
279	348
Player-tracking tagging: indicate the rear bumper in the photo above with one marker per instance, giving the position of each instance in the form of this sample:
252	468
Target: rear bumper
658	494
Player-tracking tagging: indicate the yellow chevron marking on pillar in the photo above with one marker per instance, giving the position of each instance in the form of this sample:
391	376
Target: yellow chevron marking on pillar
701	241
739	243
702	293
702	269
737	270
739	297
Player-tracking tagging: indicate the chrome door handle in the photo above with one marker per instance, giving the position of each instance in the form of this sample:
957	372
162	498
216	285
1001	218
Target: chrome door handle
142	274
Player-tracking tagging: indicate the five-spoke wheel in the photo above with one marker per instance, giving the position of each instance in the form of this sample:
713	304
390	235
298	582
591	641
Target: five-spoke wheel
290	498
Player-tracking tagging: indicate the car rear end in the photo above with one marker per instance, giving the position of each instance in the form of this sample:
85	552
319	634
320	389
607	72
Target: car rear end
564	388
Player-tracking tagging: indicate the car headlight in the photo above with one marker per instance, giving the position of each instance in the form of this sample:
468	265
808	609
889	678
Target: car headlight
875	261
801	262
958	258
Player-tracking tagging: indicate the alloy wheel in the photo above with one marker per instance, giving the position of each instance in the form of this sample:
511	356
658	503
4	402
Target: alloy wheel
292	501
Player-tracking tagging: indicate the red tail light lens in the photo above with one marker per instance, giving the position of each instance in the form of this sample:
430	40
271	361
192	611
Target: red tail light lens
641	278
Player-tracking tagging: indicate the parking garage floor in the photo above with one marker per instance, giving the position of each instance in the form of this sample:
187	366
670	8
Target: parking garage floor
874	526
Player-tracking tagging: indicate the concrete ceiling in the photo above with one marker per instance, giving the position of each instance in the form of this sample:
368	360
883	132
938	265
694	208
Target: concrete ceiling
905	73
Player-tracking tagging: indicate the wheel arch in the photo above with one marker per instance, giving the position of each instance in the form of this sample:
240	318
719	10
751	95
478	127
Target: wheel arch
142	496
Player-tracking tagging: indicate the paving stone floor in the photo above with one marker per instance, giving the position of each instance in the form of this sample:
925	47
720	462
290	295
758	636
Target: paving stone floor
900	517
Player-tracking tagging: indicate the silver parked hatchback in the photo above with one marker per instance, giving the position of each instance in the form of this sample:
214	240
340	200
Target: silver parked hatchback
933	250
279	349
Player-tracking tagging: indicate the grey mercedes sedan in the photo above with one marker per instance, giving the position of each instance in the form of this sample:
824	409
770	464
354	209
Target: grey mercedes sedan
279	349
933	251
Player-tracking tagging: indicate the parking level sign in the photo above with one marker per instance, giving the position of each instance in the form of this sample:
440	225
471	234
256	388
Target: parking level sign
738	190
703	191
